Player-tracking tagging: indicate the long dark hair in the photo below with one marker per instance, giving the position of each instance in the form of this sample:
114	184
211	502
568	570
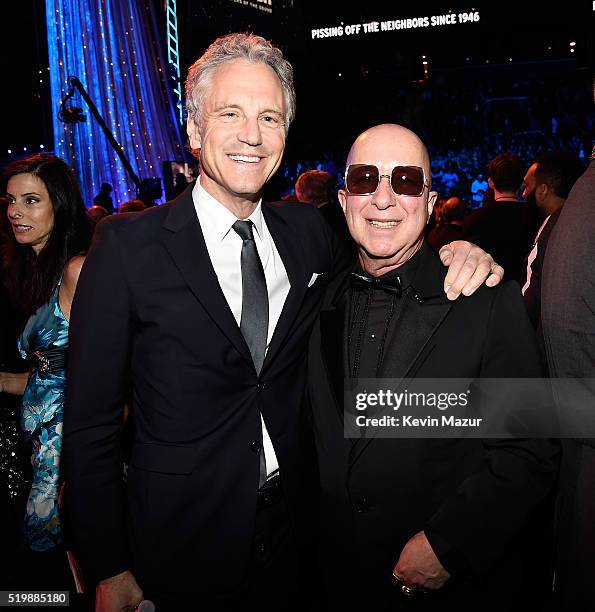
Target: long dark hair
31	278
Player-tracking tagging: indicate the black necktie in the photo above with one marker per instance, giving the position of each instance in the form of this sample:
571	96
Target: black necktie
254	321
391	284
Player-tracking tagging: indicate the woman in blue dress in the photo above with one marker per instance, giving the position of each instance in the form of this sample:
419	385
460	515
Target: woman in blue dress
41	265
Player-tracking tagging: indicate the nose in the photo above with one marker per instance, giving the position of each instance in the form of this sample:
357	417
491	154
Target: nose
384	196
13	211
250	132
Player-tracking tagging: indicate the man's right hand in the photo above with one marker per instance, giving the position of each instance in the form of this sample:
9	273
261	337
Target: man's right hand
118	594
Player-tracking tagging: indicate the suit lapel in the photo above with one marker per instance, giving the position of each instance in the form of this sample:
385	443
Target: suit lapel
288	244
333	335
183	238
410	343
415	328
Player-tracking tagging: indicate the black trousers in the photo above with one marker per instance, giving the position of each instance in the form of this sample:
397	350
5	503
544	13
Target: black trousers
277	575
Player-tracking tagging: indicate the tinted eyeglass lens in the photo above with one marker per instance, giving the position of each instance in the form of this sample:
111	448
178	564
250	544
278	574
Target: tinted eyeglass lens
407	180
362	179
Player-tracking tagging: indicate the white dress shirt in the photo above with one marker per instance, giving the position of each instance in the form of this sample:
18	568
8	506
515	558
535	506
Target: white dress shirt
532	256
225	249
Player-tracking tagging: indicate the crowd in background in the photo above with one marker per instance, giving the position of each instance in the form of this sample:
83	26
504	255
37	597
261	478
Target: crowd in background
521	132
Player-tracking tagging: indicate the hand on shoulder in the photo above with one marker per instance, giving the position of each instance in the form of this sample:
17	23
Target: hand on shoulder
469	266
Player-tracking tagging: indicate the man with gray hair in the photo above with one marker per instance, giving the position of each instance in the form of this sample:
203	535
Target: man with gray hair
222	480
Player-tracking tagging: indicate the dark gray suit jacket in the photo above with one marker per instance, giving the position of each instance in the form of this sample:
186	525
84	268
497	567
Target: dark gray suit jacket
568	318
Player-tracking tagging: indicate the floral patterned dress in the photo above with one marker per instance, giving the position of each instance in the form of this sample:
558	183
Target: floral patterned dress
44	342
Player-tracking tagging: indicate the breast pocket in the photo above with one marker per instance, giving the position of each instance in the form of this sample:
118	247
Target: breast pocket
316	277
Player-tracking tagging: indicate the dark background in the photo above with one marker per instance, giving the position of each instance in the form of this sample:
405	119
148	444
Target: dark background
344	85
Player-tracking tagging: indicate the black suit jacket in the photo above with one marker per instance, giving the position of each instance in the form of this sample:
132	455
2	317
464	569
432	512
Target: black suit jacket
149	307
484	504
506	231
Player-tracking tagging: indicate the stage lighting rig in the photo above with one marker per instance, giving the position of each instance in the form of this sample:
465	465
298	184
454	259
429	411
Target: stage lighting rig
69	113
73	114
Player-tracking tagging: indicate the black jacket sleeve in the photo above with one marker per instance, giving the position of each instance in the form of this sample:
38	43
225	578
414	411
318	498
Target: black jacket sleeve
100	331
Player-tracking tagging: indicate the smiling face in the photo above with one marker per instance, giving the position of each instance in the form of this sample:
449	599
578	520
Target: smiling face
30	210
387	228
240	133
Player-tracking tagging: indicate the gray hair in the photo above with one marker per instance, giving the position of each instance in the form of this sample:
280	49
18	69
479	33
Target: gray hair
250	47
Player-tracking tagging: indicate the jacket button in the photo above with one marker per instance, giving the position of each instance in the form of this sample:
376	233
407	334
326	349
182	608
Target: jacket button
361	505
261	385
255	446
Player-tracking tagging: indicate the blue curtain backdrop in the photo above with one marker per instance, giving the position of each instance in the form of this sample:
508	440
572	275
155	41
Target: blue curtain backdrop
113	48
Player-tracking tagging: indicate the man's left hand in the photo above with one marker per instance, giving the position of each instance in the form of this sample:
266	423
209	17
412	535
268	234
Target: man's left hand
468	267
419	566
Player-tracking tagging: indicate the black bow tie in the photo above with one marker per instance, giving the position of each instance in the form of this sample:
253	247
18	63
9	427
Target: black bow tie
392	284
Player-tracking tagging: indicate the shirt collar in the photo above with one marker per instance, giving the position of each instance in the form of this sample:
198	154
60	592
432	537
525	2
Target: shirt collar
425	275
215	219
405	272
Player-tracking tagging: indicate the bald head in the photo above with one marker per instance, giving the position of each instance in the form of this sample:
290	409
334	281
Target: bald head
390	140
388	226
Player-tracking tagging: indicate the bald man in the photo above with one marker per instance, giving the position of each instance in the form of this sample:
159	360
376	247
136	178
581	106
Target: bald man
449	522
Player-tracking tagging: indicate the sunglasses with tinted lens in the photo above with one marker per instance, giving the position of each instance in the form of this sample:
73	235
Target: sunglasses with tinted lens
363	179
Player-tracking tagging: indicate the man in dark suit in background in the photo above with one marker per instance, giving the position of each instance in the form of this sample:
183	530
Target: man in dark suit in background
207	303
451	223
547	184
506	227
464	518
318	188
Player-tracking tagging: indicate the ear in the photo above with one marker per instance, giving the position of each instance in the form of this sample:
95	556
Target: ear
541	192
490	183
342	195
193	134
432	197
